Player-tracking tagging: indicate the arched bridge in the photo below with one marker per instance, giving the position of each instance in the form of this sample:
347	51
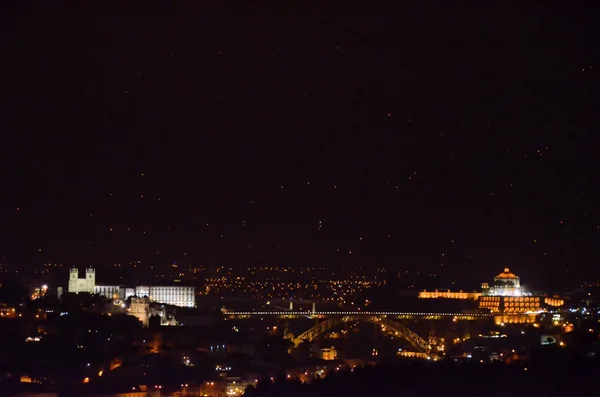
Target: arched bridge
415	340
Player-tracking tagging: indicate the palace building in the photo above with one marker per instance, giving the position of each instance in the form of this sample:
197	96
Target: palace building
505	284
511	302
505	298
449	295
171	295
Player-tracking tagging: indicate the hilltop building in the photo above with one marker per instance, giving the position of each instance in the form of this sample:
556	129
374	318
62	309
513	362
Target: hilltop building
86	284
176	295
512	303
505	298
449	295
505	284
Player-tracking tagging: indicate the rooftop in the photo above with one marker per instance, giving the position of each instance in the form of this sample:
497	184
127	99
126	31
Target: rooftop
506	274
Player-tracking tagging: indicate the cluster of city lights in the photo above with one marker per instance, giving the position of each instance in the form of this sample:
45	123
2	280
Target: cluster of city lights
339	291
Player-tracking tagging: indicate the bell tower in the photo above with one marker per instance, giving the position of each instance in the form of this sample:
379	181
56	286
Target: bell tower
73	276
90	278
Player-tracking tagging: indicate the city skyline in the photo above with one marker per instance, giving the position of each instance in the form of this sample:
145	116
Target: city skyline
439	141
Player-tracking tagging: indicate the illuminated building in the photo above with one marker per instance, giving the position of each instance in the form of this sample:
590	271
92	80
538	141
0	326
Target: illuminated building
413	354
29	379
512	303
7	311
165	319
329	353
505	284
109	291
173	295
87	284
169	295
116	291
142	291
140	308
235	386
449	295
39	292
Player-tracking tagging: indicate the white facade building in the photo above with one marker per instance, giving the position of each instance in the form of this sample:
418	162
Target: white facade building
87	284
129	292
175	295
141	291
109	291
171	295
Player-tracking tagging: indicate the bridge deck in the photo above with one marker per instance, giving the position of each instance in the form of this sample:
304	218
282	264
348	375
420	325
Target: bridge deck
341	313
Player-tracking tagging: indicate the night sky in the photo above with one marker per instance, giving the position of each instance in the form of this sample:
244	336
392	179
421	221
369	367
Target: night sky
454	141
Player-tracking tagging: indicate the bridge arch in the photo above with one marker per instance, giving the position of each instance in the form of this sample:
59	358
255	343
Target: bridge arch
411	337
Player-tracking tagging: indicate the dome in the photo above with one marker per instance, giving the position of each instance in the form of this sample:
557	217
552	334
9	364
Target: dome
506	274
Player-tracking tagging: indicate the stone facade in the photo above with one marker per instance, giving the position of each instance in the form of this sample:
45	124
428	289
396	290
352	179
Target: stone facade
86	284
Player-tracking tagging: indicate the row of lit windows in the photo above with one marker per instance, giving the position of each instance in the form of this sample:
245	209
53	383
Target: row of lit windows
172	296
522	299
517	309
171	292
449	295
530	304
554	302
489	304
514	319
510	299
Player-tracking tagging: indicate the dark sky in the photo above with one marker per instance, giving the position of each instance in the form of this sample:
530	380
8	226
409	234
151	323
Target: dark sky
433	139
